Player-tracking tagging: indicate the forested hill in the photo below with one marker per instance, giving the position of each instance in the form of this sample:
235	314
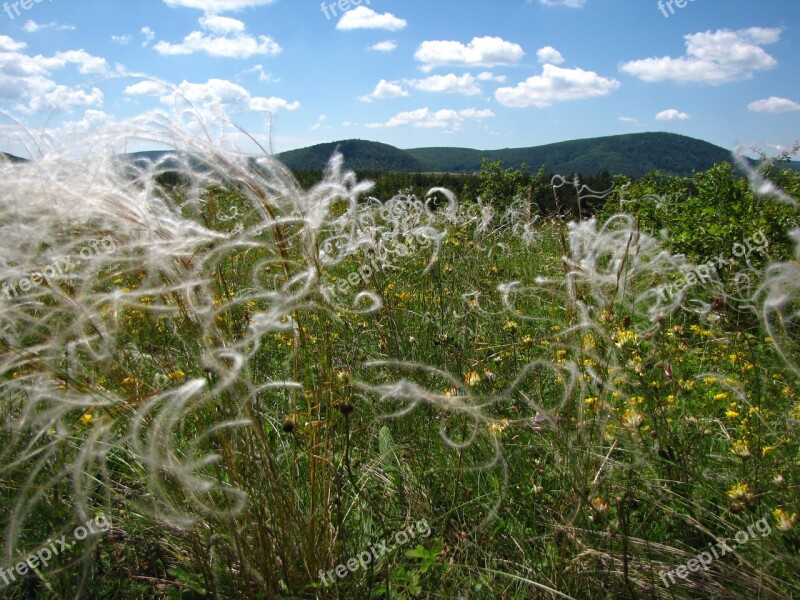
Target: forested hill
359	155
630	154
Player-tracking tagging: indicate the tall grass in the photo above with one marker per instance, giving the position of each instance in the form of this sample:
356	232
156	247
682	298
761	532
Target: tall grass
255	383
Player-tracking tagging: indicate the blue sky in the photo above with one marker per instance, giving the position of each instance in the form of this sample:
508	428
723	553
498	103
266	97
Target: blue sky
505	73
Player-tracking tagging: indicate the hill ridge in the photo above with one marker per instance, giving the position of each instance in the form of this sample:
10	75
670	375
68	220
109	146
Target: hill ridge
632	154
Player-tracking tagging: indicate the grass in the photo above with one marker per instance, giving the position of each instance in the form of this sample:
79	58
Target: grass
508	381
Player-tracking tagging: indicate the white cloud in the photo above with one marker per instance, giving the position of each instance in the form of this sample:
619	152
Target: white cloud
489	76
447	119
28	79
549	56
8	44
148	34
63	98
711	57
218	6
448	84
774	104
628	120
272	104
262	74
87	63
33	27
320	120
122	40
213	95
362	17
480	52
556	84
672	114
385	46
226	39
219	24
384	90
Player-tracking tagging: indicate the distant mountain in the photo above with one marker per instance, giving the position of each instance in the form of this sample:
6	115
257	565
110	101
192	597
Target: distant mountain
630	154
11	158
359	155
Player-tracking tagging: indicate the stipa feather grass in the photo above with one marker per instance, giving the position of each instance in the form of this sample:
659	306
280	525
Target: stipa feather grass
178	357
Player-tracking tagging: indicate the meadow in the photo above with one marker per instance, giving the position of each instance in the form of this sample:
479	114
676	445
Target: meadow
265	391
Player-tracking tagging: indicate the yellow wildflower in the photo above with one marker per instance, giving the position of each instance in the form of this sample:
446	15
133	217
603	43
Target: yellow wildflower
472	378
740	491
784	522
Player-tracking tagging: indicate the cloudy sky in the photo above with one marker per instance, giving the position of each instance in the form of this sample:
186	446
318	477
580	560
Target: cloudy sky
492	74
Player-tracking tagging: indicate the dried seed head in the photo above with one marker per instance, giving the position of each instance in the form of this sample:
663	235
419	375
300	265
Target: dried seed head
288	425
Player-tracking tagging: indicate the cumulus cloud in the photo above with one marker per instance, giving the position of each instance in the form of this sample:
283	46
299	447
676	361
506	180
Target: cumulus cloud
215	94
217	6
447	119
774	104
556	84
448	84
480	52
219	24
384	90
148	35
489	76
223	36
320	120
712	57
672	114
28	80
549	56
122	40
362	17
34	27
385	46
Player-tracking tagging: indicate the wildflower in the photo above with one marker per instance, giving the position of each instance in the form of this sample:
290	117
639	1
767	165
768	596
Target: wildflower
599	505
721	396
177	375
588	342
741	448
784	522
510	326
86	419
731	414
472	378
624	338
740	491
778	481
632	419
496	427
